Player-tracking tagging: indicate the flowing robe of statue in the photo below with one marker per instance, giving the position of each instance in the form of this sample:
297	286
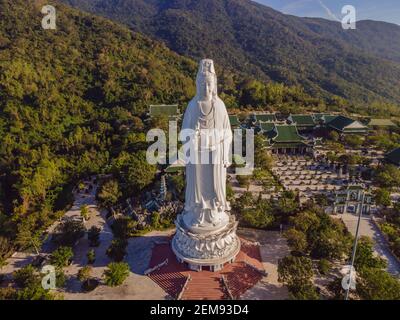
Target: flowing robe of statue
206	117
205	230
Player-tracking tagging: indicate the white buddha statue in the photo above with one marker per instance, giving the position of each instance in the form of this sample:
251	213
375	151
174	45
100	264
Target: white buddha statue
205	231
205	199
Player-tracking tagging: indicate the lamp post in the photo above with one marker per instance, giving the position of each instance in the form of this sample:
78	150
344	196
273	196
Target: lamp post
355	247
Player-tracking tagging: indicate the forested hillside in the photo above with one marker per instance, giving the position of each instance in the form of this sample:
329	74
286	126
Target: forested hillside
69	101
73	102
360	65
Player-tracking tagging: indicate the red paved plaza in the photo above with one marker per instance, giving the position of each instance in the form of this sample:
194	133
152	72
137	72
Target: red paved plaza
240	276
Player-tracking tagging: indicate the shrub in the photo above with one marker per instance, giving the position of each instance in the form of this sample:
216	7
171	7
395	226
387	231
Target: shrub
69	232
91	256
116	273
62	257
26	277
324	266
61	278
85	214
84	275
117	249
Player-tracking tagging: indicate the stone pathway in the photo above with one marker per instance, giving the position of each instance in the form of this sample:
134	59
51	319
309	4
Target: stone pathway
369	229
273	247
137	286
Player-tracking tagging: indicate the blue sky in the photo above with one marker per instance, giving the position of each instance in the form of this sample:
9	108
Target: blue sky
382	10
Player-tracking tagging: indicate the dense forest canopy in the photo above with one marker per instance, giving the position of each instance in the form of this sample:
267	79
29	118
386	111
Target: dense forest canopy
361	65
68	98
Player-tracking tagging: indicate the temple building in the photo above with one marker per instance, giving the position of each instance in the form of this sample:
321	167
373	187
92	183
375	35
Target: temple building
285	139
304	122
264	117
393	157
234	121
353	199
345	125
319	118
380	123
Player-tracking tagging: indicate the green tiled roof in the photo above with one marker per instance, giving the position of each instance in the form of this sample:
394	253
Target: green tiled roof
265	117
328	118
303	120
341	122
267	126
167	110
175	168
287	133
394	156
381	123
234	121
319	116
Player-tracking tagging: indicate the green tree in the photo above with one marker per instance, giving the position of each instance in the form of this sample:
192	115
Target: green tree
287	205
27	276
376	284
5	249
69	232
85	214
137	172
117	249
387	176
382	197
116	273
85	276
29	236
61	257
334	136
324	266
109	193
365	257
353	141
296	273
297	240
35	293
84	273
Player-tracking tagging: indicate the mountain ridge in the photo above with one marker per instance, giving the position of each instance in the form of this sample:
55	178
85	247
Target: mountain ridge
361	65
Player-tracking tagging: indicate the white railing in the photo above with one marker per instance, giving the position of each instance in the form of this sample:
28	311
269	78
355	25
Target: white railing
159	266
179	297
225	284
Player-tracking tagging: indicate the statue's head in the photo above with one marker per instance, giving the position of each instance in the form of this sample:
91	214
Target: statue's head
206	81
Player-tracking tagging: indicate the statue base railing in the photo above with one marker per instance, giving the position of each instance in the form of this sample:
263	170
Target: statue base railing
206	250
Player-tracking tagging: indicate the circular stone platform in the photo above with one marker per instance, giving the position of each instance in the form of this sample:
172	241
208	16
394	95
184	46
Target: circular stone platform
206	250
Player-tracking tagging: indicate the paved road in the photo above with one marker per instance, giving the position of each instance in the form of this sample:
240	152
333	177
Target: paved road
273	247
369	229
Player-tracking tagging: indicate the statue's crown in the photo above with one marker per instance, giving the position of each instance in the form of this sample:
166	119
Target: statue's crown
206	67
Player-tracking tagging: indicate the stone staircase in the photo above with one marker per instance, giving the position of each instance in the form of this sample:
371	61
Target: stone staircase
205	285
170	282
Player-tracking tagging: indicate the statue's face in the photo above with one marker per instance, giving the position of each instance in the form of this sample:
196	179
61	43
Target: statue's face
207	88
